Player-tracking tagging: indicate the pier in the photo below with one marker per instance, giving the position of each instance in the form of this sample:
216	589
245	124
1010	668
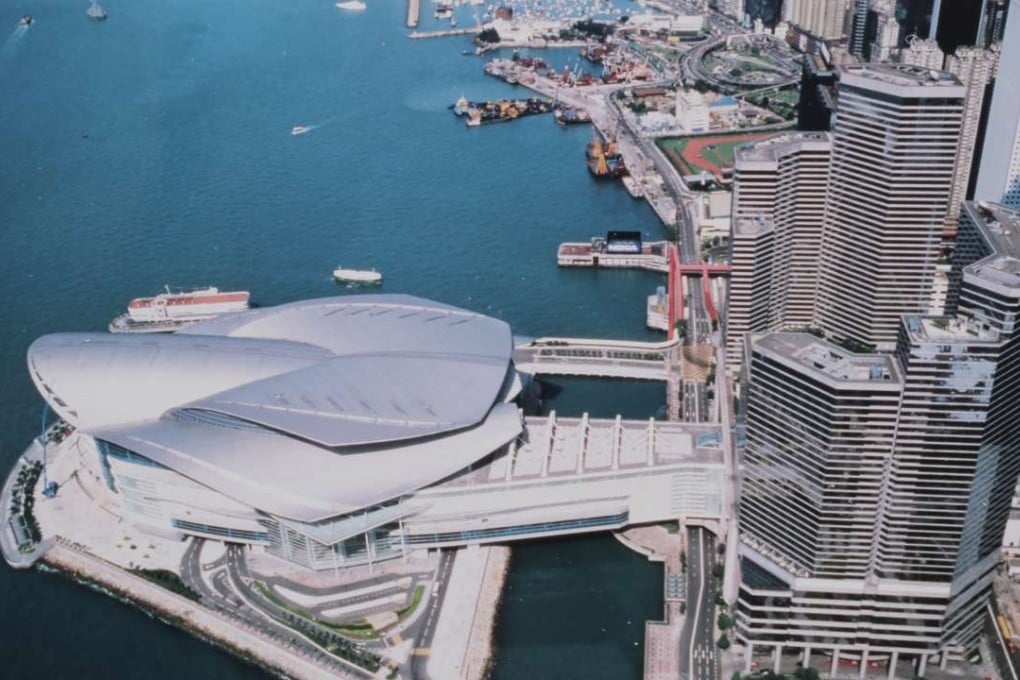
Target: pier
413	13
419	35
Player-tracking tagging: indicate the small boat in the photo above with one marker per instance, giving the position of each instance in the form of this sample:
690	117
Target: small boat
352	5
453	21
25	20
356	275
95	11
462	106
300	129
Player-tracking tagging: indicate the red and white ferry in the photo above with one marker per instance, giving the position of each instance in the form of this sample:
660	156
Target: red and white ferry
170	311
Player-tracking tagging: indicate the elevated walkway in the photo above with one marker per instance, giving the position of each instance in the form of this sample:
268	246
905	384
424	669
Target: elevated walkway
573	475
596	358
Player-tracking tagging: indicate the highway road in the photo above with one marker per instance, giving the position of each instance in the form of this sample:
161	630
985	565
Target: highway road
699	656
427	631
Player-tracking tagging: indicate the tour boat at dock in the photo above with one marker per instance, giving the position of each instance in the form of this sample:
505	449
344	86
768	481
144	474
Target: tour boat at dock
170	311
356	275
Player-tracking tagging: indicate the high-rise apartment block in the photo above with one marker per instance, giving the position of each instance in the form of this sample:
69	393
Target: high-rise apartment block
923	53
975	68
876	487
887	38
998	177
893	156
824	19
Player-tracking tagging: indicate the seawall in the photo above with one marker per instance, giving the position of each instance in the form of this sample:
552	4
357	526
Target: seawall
227	633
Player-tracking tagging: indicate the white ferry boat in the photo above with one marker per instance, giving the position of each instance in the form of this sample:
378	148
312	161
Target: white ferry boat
352	5
357	275
300	129
170	311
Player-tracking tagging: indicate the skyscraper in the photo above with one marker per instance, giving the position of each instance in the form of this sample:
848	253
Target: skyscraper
893	156
779	190
999	174
876	487
923	53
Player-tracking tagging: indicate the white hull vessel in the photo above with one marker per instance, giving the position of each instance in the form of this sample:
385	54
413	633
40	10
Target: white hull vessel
352	5
357	275
170	311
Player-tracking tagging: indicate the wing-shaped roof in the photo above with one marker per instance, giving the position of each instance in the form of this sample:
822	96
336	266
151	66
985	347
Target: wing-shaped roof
391	392
300	481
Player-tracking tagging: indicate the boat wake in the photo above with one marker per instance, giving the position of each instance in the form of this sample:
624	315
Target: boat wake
12	41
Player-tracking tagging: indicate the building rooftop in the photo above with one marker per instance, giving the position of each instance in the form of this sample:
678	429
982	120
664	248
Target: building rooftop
772	148
902	80
945	330
306	410
1000	227
828	360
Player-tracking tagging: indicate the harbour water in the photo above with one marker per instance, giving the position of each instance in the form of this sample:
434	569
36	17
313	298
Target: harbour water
155	148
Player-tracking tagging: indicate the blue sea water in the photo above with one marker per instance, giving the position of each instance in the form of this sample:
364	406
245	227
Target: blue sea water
155	148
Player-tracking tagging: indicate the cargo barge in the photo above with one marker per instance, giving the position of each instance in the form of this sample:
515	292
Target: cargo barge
503	110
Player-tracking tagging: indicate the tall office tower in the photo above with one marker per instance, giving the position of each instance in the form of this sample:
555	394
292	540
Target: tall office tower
975	67
923	53
779	190
877	487
825	19
999	174
893	155
858	27
887	37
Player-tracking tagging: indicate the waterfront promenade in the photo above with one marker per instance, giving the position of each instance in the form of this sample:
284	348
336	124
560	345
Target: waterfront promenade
241	639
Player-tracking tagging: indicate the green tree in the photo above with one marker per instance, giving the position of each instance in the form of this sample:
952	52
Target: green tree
724	642
806	674
724	622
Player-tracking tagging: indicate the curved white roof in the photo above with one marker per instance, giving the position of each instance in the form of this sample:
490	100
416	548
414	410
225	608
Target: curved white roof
305	410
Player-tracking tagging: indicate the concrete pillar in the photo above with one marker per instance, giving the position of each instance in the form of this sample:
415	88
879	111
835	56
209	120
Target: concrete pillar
943	659
617	441
922	665
863	671
806	659
748	657
651	441
893	660
582	446
778	657
835	662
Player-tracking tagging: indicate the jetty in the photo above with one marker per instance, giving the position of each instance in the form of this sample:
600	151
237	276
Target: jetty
418	35
413	13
